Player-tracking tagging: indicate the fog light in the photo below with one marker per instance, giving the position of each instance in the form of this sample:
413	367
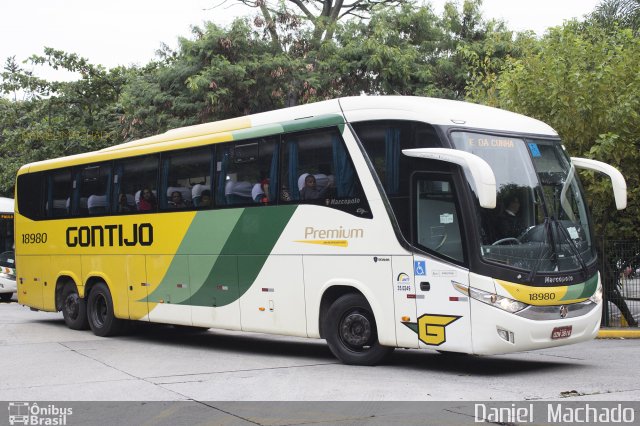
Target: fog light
506	335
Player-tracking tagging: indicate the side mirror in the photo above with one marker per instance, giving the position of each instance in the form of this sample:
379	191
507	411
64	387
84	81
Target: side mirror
483	178
617	180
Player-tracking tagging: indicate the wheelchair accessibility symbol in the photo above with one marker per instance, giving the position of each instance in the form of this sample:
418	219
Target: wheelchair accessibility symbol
420	267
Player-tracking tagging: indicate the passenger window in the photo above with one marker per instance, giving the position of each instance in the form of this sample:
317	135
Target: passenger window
383	142
186	175
59	189
317	169
247	172
135	185
31	195
93	189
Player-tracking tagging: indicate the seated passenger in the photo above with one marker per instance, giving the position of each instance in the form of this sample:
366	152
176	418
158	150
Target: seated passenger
205	199
260	191
176	201
123	203
257	193
147	200
196	193
310	190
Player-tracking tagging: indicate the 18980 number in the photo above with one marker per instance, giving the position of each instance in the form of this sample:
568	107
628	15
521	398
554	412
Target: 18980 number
35	238
542	296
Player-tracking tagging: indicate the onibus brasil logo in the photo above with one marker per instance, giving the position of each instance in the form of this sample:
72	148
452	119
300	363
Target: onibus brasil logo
27	413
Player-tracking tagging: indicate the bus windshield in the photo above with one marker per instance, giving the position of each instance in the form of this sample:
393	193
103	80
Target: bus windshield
540	223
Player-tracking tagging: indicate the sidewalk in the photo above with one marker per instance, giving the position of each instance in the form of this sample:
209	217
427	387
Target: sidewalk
619	333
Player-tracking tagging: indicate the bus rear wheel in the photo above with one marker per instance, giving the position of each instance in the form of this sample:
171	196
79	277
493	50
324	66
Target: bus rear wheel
102	320
6	297
74	309
350	330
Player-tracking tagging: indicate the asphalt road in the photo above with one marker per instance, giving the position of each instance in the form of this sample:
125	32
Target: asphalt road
42	359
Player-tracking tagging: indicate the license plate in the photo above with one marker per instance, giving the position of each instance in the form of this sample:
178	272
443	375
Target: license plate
561	332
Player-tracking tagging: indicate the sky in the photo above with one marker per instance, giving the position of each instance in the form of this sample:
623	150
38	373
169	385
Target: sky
126	32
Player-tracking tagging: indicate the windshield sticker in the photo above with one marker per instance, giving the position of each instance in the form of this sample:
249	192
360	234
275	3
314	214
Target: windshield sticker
573	233
446	218
533	147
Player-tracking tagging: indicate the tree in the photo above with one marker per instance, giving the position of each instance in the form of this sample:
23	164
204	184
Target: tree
280	18
56	118
617	13
583	81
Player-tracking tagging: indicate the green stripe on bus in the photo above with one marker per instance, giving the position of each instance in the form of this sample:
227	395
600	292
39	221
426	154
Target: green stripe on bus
238	241
290	126
313	122
582	290
208	233
257	132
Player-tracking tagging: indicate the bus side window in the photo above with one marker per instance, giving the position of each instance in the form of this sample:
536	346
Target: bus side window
32	198
383	141
59	191
133	177
185	175
247	172
316	169
93	187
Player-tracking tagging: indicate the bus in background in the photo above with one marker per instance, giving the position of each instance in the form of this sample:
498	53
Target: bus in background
7	257
371	222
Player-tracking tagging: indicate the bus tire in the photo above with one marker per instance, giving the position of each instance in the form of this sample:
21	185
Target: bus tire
74	309
6	297
102	320
350	330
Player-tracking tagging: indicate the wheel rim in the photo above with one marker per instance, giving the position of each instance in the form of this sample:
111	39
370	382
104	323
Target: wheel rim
99	310
356	331
72	306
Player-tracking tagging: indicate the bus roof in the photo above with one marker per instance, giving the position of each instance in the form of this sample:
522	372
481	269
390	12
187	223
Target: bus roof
430	110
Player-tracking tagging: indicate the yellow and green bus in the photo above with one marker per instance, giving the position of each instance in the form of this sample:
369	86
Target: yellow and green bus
371	222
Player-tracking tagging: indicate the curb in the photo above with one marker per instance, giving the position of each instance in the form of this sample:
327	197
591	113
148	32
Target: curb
619	333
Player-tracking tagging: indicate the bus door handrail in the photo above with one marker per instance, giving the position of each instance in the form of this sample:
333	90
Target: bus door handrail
617	180
480	171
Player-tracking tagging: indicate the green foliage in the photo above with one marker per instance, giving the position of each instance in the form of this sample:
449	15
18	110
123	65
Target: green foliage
617	13
52	119
583	81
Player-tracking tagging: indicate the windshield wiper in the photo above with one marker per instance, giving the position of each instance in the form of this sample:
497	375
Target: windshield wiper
573	246
547	233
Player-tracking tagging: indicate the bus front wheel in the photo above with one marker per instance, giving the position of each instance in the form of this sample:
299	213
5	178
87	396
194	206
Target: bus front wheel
102	320
74	309
350	330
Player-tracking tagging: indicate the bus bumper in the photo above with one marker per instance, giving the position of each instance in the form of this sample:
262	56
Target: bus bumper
495	331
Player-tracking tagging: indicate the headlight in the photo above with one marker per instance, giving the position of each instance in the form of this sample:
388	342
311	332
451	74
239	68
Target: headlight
492	299
597	296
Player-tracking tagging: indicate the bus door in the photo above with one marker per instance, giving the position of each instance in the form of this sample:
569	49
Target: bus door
443	313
